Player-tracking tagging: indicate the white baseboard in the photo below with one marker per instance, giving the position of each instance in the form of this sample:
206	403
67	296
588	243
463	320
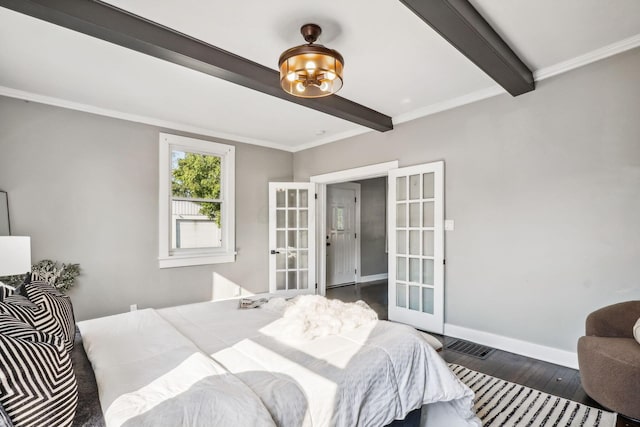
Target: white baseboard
512	345
373	277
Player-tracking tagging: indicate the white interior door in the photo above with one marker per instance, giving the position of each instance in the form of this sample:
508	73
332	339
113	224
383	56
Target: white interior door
416	246
292	252
341	239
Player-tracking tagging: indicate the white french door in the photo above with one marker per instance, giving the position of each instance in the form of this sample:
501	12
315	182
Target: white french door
416	246
292	235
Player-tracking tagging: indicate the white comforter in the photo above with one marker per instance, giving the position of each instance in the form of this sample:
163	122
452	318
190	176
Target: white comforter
152	368
149	374
368	376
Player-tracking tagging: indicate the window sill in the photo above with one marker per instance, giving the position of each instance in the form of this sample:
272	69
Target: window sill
186	261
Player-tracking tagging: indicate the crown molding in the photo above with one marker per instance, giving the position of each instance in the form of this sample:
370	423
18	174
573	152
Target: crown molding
541	74
166	124
587	58
449	104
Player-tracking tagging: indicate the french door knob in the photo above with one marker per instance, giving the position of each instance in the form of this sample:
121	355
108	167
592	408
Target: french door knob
273	252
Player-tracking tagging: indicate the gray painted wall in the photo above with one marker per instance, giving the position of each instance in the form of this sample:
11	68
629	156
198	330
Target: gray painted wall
85	188
373	225
545	193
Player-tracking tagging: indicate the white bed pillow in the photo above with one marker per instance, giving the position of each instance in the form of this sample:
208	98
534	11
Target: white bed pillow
636	331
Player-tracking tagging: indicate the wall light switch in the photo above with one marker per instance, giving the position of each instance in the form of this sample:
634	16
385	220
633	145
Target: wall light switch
448	225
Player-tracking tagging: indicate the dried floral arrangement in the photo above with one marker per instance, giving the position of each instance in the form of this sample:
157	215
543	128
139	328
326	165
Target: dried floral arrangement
60	276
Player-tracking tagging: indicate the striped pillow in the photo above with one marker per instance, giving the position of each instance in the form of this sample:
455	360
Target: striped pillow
5	291
36	316
22	309
15	328
57	305
37	385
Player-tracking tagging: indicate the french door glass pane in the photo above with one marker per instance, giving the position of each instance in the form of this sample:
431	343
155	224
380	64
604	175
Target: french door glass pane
291	260
292	282
303	259
292	198
414	242
401	215
428	187
401	295
414	214
427	243
414	297
280	239
304	219
281	199
427	214
291	218
291	239
304	199
427	271
414	187
427	300
280	218
281	280
281	261
304	281
401	242
303	242
401	269
401	188
414	270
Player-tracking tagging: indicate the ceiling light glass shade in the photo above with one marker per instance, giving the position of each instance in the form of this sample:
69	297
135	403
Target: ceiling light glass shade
311	70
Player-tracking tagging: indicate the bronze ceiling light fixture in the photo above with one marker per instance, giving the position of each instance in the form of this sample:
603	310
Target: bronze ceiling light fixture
311	70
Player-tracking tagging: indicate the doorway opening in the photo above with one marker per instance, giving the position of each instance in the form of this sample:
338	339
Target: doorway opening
370	241
415	222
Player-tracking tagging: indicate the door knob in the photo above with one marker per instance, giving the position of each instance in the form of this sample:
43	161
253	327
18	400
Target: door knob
274	252
328	244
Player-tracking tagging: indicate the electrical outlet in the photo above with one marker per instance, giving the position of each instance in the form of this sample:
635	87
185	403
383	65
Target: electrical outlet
133	307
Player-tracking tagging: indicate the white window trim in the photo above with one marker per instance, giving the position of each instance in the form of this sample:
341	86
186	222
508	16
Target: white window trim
227	252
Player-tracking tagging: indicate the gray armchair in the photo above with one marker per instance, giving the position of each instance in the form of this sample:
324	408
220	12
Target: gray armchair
609	358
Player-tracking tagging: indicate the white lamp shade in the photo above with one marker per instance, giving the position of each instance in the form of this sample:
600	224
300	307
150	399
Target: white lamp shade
15	255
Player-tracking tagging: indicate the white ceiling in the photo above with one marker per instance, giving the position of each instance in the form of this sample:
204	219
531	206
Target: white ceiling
420	73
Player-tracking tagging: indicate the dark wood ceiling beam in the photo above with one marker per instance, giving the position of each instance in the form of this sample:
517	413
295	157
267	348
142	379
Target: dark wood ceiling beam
117	26
458	22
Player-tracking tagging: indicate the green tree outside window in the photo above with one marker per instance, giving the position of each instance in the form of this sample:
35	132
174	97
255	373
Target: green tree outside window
197	176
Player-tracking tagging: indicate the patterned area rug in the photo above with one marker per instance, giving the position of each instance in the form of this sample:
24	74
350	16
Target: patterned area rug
506	404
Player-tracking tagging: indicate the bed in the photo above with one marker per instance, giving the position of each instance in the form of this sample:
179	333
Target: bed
212	363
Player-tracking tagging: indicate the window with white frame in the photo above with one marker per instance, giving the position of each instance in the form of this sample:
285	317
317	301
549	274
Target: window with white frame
197	205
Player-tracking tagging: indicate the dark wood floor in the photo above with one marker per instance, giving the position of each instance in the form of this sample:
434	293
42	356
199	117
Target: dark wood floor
543	376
